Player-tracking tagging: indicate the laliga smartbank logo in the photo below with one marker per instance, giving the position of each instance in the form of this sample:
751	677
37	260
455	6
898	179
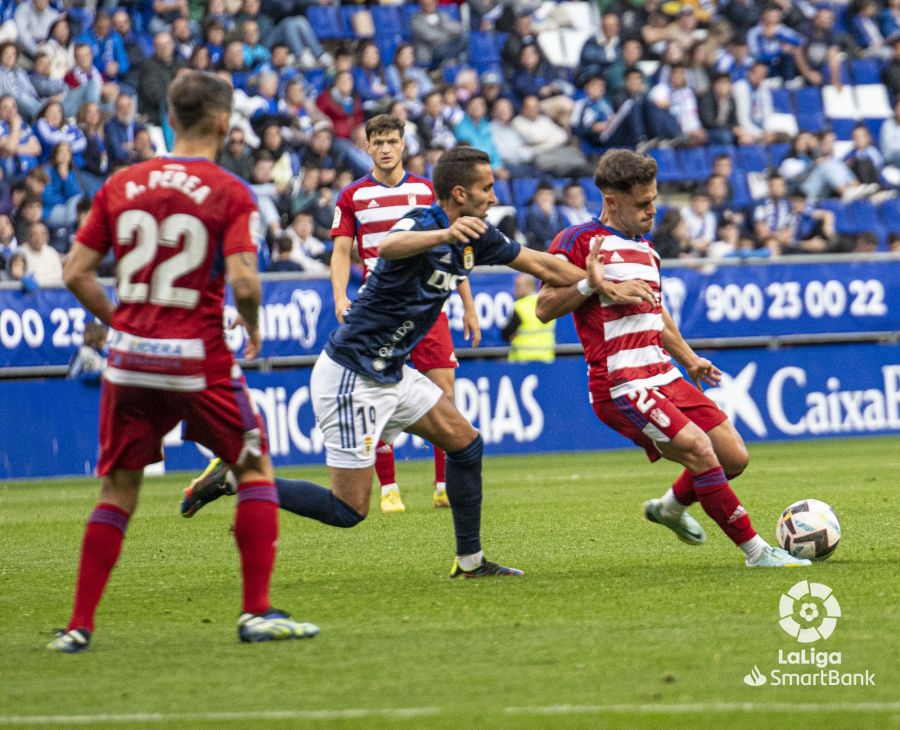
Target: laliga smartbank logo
808	612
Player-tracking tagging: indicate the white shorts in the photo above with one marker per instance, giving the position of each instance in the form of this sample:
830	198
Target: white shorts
355	412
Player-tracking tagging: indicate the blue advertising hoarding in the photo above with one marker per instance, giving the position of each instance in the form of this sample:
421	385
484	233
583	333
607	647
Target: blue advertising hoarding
792	393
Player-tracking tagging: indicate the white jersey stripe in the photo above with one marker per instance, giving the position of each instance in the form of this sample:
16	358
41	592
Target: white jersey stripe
371	192
625	271
653	381
631	324
385	213
636	358
614	243
371	240
158	381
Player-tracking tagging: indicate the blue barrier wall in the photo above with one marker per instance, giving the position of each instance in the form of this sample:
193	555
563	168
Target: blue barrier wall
753	300
793	393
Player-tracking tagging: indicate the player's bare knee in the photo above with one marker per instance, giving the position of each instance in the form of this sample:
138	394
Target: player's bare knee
736	462
702	453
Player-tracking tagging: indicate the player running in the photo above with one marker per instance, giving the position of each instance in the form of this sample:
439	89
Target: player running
178	226
634	387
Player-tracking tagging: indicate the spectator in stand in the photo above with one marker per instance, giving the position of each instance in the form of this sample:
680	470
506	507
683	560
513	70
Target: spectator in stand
679	100
282	65
119	133
699	64
475	130
107	47
306	250
49	88
268	195
867	32
84	78
536	77
42	261
63	192
753	103
286	162
812	229
437	37
411	140
236	156
304	196
515	153
95	165
184	39
890	76
573	208
302	111
34	19
701	223
343	60
121	23
670	237
369	78
60	48
522	35
218	12
889	18
51	129
544	137
735	61
542	219
281	258
8	242
321	153
411	99
14	81
233	62
772	218
255	53
30	210
295	31
436	131
341	105
819	174
144	149
594	122
267	103
156	74
632	54
720	200
200	59
889	139
250	10
404	68
742	14
17	270
864	159
214	34
164	12
718	113
19	147
821	50
602	50
774	44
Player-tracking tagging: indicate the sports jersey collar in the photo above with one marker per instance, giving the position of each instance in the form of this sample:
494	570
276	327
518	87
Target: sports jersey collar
184	159
381	184
620	234
440	216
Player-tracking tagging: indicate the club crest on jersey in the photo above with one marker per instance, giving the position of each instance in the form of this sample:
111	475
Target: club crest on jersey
660	418
468	257
337	218
367	446
411	199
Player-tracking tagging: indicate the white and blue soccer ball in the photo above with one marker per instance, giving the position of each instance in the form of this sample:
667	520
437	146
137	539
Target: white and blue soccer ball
809	529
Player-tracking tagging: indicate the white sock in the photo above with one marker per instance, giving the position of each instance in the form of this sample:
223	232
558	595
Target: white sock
231	480
753	548
440	487
390	487
470	562
671	508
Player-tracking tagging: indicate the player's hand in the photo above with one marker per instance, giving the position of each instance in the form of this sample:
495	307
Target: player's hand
465	228
341	307
703	372
635	291
594	263
472	328
253	346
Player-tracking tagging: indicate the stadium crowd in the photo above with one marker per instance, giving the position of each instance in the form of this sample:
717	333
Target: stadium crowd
735	99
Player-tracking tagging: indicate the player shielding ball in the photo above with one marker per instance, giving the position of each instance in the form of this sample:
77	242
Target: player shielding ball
178	226
634	386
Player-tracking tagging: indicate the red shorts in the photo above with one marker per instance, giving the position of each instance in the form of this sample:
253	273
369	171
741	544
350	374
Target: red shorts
436	348
658	414
133	422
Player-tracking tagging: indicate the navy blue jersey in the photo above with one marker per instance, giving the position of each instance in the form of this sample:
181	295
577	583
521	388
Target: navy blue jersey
402	298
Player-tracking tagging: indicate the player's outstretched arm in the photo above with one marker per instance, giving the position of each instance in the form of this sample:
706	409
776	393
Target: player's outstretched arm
471	323
699	369
80	276
340	274
550	269
243	277
400	244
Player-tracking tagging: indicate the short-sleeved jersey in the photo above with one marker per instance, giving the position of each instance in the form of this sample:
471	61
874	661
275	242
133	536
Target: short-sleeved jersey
403	298
170	223
622	342
367	209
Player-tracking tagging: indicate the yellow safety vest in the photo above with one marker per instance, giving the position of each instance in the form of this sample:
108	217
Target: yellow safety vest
534	341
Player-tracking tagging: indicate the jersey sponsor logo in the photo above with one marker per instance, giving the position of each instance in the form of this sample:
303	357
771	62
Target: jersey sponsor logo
468	257
444	280
445	259
387	349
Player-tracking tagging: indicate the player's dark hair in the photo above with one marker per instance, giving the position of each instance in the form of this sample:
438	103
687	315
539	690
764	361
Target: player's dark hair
194	97
458	166
621	170
384	124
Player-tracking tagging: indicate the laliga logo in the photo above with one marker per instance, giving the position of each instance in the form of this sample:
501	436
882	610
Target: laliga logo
816	607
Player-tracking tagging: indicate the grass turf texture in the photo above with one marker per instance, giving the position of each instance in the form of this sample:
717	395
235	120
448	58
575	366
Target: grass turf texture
614	617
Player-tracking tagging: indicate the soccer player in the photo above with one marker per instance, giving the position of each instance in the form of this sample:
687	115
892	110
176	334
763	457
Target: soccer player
634	387
178	227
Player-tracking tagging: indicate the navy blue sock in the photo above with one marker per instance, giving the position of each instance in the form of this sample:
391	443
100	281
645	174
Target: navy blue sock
464	492
310	500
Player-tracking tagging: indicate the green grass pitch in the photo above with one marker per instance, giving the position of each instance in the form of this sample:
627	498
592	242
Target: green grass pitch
616	624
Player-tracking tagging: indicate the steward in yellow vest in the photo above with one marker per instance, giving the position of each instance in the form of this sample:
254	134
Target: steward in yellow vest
530	340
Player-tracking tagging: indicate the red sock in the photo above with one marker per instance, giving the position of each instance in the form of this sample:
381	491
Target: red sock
723	506
100	550
683	489
256	533
440	463
384	464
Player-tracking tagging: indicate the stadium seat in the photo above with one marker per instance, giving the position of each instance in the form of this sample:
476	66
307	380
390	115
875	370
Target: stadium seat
315	77
523	191
669	171
388	21
387	44
808	99
811	121
889	214
777	153
861	216
740	189
752	158
873	101
483	51
874	126
347	13
326	22
695	163
835	206
840	103
866	71
503	192
591	192
843	128
717	150
845	74
781	101
451	71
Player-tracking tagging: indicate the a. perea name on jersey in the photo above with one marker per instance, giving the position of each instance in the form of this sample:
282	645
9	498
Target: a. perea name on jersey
172	177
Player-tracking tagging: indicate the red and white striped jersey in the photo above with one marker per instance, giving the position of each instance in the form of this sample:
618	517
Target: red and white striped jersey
622	343
367	209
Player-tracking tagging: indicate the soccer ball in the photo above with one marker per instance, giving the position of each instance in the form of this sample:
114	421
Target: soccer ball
809	529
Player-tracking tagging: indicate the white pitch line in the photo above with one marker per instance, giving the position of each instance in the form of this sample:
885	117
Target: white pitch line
411	712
